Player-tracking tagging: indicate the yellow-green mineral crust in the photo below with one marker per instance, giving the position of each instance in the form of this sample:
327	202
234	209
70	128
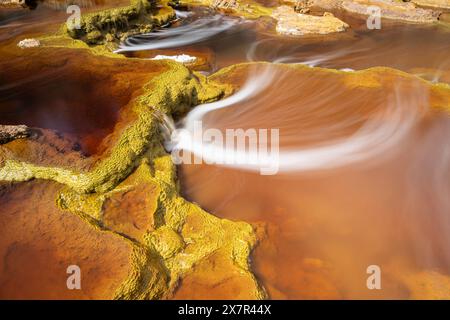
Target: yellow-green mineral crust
116	24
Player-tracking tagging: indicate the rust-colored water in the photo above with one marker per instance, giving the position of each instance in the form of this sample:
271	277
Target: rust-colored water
325	226
70	91
67	107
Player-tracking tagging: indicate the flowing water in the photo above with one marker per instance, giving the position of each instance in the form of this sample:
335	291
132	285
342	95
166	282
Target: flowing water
418	49
363	174
363	180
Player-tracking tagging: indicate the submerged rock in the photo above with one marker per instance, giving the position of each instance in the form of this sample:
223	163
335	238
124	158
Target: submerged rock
39	242
290	22
29	43
391	9
9	133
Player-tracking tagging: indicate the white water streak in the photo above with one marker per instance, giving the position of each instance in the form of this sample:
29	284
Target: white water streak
378	134
197	31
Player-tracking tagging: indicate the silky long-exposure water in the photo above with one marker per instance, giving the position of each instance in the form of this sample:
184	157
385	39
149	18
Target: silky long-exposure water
227	40
344	198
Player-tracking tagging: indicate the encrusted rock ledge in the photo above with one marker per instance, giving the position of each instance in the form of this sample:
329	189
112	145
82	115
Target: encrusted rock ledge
417	11
9	133
176	235
290	22
116	24
391	9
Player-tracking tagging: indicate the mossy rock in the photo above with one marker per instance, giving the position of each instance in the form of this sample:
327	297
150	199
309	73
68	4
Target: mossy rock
138	17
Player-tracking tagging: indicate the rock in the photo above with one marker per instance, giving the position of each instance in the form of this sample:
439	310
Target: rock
323	4
391	9
139	17
326	4
225	4
18	4
302	6
9	133
93	37
29	43
13	4
445	4
109	37
290	22
182	58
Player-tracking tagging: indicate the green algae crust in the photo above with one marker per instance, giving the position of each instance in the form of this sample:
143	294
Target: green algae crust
173	91
138	17
101	31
